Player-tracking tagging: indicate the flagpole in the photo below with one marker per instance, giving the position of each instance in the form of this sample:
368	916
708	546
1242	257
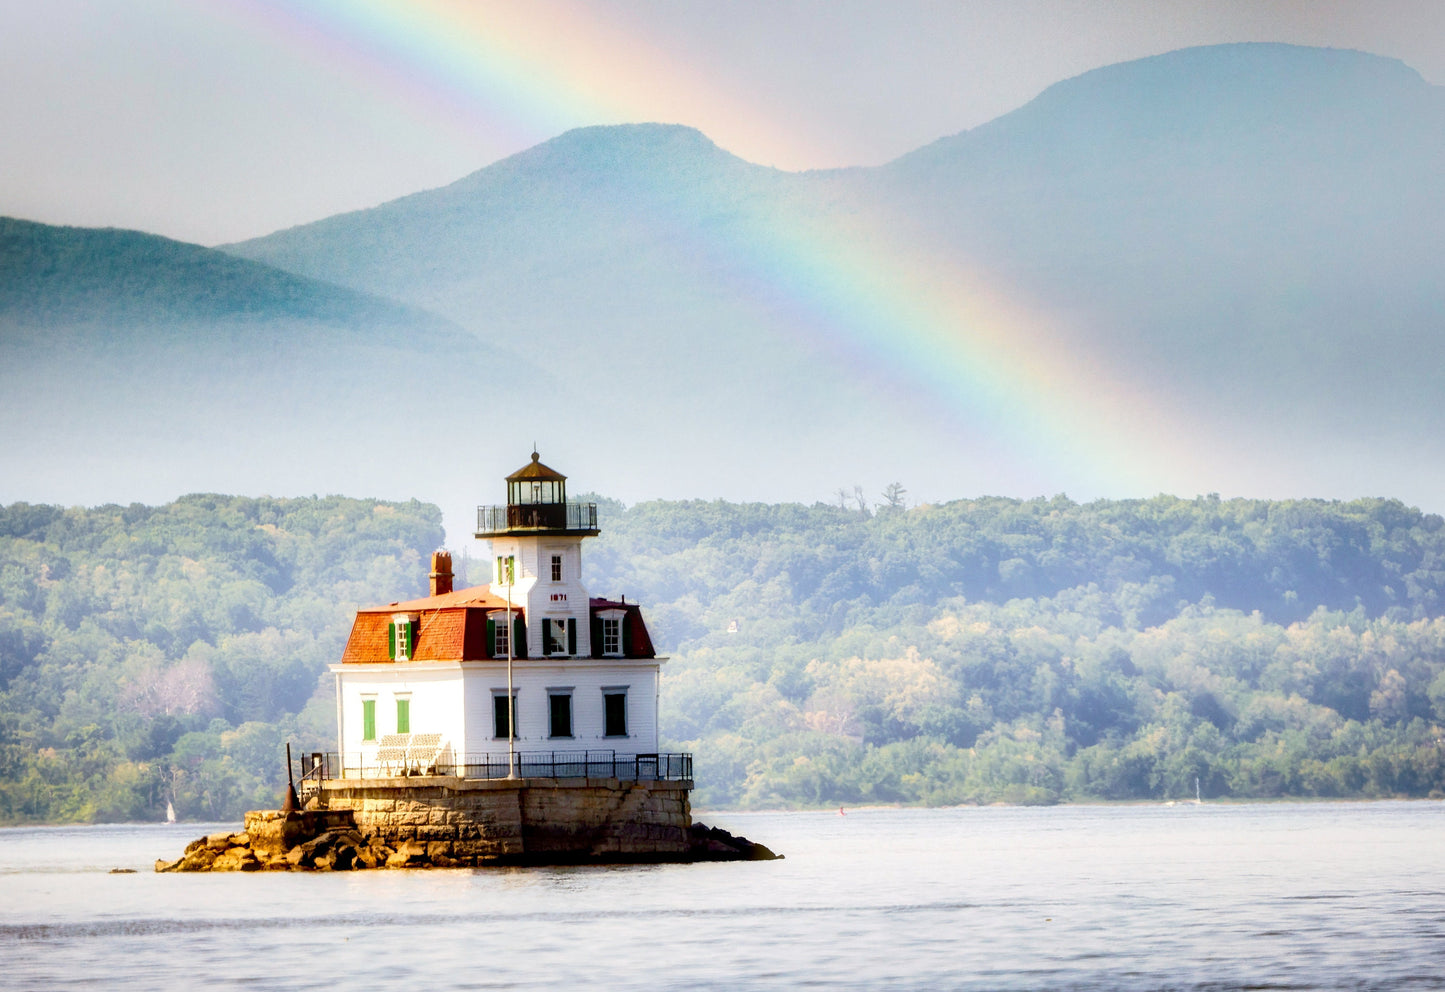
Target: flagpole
511	697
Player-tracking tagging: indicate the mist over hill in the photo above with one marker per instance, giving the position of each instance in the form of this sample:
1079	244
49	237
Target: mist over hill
616	258
1246	232
1241	239
134	365
1256	225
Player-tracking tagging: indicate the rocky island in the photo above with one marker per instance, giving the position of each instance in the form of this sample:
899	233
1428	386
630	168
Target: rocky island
325	840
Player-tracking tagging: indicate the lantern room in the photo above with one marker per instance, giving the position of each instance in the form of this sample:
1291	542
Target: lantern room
536	504
536	485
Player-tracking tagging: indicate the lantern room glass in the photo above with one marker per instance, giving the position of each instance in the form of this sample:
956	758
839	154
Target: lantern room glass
533	492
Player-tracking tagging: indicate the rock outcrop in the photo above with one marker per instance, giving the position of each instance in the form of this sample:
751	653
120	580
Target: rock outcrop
715	844
330	841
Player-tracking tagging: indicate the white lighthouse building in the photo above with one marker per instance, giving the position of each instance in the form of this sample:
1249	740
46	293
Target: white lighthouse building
422	686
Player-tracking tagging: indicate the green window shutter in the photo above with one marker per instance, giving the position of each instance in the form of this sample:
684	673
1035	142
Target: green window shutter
614	707
572	635
491	637
519	637
391	641
501	719
596	636
626	636
403	716
368	719
546	636
411	641
560	707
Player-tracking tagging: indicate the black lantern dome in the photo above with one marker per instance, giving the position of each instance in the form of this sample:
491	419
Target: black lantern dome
536	502
535	484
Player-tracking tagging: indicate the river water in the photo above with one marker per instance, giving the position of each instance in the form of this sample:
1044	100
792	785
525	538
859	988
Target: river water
1216	897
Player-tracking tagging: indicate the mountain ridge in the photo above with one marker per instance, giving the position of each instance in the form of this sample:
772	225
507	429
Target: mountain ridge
134	367
1248	68
1277	294
117	277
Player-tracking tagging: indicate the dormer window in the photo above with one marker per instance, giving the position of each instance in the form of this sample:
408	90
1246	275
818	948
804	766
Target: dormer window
506	635
610	627
401	637
501	636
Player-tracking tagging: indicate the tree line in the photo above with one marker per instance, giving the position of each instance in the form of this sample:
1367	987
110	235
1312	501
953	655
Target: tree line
1044	650
154	655
975	651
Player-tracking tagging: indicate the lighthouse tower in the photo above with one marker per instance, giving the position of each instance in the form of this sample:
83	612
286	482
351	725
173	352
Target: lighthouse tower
537	563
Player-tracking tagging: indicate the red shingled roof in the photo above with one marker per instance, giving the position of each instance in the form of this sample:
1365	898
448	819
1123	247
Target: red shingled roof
450	627
640	642
475	596
453	627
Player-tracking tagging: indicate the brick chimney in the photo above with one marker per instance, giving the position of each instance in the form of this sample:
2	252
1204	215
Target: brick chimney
441	573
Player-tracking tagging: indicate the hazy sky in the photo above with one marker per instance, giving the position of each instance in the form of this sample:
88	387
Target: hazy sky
216	120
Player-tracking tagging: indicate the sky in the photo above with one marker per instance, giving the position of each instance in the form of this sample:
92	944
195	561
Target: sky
218	120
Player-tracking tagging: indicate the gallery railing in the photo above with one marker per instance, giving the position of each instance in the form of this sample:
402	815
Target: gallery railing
530	764
536	516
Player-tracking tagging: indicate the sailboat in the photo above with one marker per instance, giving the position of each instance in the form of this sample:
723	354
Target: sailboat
170	812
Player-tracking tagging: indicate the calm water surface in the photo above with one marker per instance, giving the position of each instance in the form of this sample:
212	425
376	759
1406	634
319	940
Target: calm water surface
1307	896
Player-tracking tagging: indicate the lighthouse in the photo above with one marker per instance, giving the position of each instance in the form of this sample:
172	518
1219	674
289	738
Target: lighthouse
423	684
508	723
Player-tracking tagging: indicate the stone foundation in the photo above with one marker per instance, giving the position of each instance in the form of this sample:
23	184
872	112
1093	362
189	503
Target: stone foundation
444	822
519	821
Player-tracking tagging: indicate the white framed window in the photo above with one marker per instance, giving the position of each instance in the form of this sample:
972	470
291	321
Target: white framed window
402	636
612	633
556	568
559	712
501	634
614	710
501	727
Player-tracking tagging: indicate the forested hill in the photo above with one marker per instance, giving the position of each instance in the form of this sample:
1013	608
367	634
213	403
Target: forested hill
822	569
967	652
1042	650
151	653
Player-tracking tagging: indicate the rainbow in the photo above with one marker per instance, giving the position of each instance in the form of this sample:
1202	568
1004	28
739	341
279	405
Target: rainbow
942	329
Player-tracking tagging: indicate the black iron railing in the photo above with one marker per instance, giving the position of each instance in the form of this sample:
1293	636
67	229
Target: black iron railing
529	764
536	516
